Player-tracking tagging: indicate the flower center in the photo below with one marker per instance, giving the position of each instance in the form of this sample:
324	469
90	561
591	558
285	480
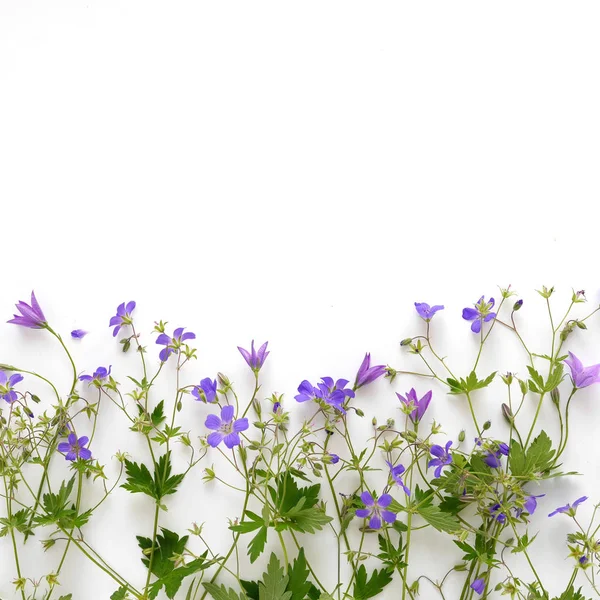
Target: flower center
226	428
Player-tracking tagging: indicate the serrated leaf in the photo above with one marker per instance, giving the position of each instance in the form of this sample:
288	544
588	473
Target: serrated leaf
222	593
120	594
440	520
373	586
257	544
274	582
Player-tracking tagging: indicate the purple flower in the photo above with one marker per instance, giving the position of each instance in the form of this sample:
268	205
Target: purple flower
492	460
334	394
225	429
375	509
503	448
255	359
570	509
123	317
529	506
6	386
276	407
99	375
206	391
497	514
173	344
427	312
396	475
78	334
333	458
31	316
478	585
482	313
442	458
75	448
583	560
306	392
582	376
366	373
419	406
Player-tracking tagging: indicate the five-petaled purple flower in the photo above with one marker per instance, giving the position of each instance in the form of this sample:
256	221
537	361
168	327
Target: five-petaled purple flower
6	386
396	475
255	359
376	510
478	585
99	375
75	448
206	391
419	406
78	334
482	313
225	428
172	344
442	458
582	376
367	373
493	459
123	317
31	316
570	509
427	312
330	392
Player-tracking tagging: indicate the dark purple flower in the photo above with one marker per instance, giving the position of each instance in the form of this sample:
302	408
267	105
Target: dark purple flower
225	428
31	316
570	509
6	386
75	448
206	391
366	373
419	406
478	585
503	448
123	317
333	458
517	305
396	475
583	560
99	375
78	334
173	344
497	514
276	407
482	313
427	312
375	509
492	459
582	376
255	359
442	458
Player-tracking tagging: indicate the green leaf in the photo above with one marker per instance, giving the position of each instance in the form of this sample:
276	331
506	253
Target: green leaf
139	479
120	594
369	588
274	582
257	544
298	583
470	384
164	482
158	414
516	459
222	593
440	520
540	454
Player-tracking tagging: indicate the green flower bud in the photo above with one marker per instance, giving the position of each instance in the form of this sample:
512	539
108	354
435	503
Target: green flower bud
487	425
555	396
507	413
461	436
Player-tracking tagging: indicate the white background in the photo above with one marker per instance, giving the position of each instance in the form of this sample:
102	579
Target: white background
302	173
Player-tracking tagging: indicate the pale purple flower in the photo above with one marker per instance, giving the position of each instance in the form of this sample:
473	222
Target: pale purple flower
396	474
255	359
123	316
419	406
478	585
206	391
442	458
582	376
31	316
334	394
6	386
482	313
376	510
529	506
366	373
306	392
427	312
570	509
75	448
173	344
99	375
225	428
78	334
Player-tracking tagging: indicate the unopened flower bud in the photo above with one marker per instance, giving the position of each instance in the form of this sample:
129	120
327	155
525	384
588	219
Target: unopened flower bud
390	423
223	380
555	396
507	413
487	425
581	325
523	386
406	342
461	436
517	305
359	412
507	378
374	422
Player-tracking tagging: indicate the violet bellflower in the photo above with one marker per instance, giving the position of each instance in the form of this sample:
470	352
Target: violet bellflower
123	317
497	513
427	312
255	359
6	386
582	376
78	334
31	315
569	509
376	510
478	585
529	506
482	313
396	474
206	391
366	373
332	458
493	459
442	458
225	428
98	377
419	406
332	393
173	344
75	448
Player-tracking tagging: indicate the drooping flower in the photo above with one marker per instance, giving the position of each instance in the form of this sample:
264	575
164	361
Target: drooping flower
570	509
225	428
582	376
376	510
173	344
366	373
333	458
206	391
396	475
419	406
75	448
123	317
498	515
98	377
427	312
31	316
78	334
442	458
478	585
482	313
529	506
255	359
492	459
6	386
